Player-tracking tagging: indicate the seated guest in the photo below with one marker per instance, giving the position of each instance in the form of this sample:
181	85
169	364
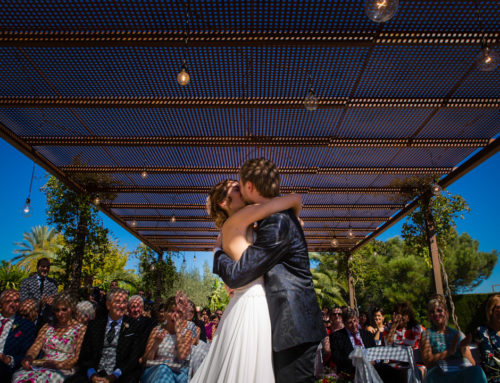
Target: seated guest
378	326
403	331
363	320
488	338
16	334
42	289
110	351
168	347
29	310
60	344
85	312
343	341
200	331
336	319
445	351
211	328
200	347
145	324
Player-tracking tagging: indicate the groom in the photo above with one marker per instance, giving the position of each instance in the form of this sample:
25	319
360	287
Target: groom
280	254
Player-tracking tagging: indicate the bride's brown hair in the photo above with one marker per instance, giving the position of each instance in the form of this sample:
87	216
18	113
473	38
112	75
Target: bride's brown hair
215	197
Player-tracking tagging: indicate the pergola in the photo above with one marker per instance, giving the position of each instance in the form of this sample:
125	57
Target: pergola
89	87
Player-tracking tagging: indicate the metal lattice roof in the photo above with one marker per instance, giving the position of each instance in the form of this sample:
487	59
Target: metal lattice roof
89	87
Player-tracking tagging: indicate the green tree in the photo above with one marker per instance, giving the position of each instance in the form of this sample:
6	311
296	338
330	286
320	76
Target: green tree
113	268
77	219
11	276
219	298
40	242
149	268
465	265
331	288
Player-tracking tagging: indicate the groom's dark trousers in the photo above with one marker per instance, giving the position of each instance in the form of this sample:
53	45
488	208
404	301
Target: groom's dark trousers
280	254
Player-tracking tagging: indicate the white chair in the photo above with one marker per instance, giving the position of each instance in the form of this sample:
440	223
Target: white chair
365	372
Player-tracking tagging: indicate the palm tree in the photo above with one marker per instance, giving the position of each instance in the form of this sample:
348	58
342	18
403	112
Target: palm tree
329	287
11	276
41	242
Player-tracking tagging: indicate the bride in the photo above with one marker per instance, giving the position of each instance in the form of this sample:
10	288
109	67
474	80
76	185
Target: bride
241	350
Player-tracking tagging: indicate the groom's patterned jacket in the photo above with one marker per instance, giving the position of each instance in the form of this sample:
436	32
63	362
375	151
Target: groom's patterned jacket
280	254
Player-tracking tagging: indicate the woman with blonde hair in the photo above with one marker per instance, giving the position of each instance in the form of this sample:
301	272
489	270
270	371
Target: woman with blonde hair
445	351
59	343
488	338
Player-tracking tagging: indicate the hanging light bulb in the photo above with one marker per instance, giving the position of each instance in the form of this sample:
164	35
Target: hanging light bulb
183	78
144	174
311	101
436	189
488	59
27	211
133	223
97	201
350	233
184	260
27	208
381	11
335	242
194	258
172	219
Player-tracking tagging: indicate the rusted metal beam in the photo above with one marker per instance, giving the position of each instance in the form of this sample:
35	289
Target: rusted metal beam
214	237
284	189
210	248
172	206
213	229
251	140
208	219
253	103
420	170
237	39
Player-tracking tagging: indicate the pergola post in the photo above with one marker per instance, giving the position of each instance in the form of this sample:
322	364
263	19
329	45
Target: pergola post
350	279
159	278
433	248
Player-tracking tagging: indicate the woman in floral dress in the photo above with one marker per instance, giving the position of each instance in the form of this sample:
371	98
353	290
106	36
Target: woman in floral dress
60	344
488	338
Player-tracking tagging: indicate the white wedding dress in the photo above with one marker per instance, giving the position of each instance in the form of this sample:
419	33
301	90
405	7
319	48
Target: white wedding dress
241	349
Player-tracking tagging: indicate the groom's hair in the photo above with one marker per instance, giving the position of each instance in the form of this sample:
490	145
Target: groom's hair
264	176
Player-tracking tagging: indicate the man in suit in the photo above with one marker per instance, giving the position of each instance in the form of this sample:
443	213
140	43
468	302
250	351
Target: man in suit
145	324
343	341
111	347
280	254
16	334
39	286
42	289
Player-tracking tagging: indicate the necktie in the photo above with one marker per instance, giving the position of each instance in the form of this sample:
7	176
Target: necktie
3	322
42	282
111	333
357	341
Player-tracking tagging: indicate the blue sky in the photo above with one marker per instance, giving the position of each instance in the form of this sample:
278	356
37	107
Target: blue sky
479	188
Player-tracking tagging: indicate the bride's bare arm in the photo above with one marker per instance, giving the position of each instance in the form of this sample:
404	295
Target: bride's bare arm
253	213
234	231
